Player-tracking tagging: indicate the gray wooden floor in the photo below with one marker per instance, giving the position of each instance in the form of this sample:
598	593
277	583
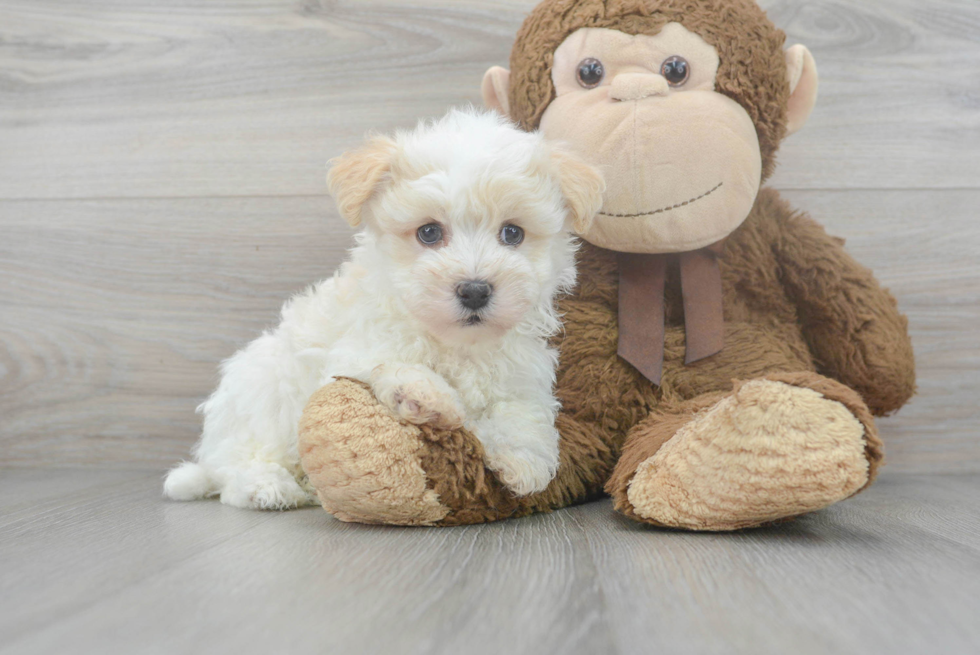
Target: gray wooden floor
95	562
161	194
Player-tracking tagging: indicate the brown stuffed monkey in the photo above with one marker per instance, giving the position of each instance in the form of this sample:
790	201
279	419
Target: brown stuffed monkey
722	356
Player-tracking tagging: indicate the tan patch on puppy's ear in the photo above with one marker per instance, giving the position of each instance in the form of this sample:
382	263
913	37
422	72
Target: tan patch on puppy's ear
356	175
583	187
803	82
496	90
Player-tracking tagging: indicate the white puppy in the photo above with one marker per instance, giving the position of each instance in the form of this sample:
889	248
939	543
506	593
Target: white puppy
445	308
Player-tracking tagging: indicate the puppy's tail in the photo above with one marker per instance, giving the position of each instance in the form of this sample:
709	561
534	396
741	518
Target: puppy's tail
189	481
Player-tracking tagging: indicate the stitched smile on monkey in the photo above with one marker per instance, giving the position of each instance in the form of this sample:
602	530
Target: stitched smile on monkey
643	107
684	140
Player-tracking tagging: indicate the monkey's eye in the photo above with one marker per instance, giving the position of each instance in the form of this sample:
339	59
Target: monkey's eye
429	235
675	70
511	235
590	73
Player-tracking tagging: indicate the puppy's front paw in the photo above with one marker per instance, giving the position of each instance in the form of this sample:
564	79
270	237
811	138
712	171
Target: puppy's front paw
420	405
418	395
522	472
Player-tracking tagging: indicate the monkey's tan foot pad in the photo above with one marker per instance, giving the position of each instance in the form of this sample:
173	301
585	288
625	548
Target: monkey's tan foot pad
364	464
767	452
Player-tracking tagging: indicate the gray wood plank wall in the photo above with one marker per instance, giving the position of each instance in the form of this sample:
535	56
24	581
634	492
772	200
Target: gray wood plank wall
161	190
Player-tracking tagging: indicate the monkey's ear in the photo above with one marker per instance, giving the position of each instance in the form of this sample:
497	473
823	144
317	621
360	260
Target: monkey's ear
583	187
356	175
803	83
496	85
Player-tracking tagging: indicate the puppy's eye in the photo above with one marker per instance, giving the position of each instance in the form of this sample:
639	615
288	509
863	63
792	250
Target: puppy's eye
590	73
675	70
430	234
511	235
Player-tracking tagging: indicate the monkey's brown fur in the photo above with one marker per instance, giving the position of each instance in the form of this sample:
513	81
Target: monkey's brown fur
798	309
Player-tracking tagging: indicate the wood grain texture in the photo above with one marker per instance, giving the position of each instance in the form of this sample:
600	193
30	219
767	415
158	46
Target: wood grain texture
887	117
99	563
923	246
161	190
117	312
113	326
109	98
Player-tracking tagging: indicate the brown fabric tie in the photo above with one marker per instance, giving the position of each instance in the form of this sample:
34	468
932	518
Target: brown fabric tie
641	308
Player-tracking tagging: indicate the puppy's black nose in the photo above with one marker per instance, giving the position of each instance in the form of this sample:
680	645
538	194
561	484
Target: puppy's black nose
474	294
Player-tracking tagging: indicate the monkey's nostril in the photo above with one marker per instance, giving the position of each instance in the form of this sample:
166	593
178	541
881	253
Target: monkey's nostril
474	294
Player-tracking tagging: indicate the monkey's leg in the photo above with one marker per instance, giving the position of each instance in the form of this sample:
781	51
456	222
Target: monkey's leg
772	449
367	467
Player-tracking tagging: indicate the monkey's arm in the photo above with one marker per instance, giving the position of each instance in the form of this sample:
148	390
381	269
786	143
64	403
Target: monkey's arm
851	323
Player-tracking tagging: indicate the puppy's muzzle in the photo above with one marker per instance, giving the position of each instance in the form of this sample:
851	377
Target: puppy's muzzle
474	294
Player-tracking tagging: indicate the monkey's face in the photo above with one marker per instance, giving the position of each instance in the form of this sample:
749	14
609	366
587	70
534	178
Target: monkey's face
682	162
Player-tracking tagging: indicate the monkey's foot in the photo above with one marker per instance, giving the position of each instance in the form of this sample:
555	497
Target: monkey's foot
768	451
364	464
367	466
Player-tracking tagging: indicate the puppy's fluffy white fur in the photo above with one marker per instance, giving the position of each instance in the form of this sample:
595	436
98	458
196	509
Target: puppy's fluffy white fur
391	316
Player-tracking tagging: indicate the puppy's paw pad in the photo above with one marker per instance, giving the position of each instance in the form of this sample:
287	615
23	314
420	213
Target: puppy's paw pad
522	474
420	405
417	395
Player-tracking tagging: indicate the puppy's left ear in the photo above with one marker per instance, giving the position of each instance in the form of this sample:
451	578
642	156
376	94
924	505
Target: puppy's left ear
356	175
583	187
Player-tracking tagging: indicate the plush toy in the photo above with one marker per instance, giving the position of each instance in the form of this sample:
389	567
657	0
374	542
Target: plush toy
722	356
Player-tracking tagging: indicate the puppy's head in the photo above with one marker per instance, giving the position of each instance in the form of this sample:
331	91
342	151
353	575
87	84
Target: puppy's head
469	218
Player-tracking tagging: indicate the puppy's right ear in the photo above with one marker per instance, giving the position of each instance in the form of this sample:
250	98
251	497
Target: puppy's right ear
583	187
357	174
